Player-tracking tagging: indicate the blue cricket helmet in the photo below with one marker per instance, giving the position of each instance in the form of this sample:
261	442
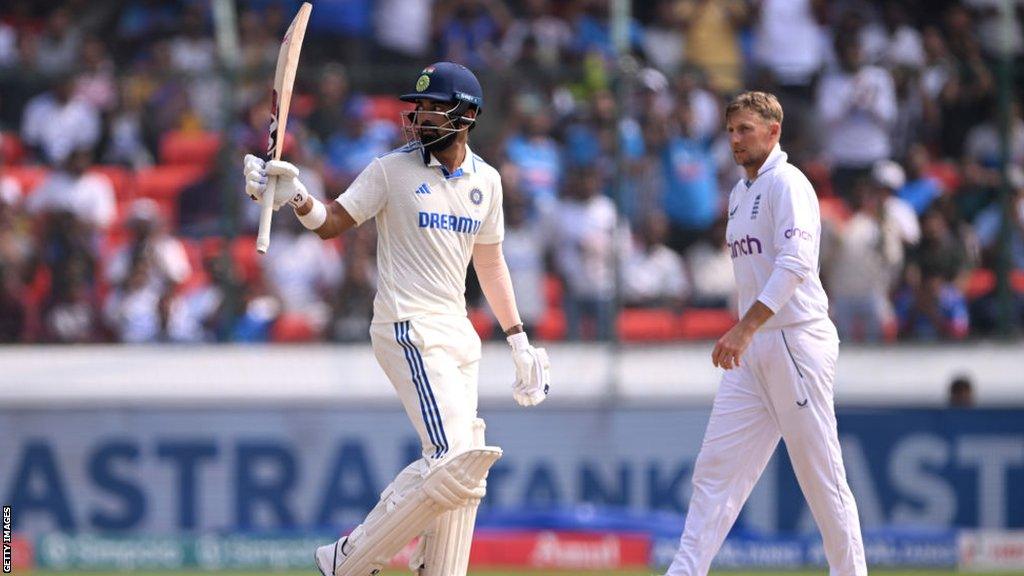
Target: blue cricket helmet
447	82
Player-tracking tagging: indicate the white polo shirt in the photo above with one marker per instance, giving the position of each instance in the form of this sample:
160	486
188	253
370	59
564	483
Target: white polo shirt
427	224
774	221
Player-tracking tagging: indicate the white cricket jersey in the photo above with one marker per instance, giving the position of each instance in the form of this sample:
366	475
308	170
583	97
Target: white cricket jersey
427	223
774	223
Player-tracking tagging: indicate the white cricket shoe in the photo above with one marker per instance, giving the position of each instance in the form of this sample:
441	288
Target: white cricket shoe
326	557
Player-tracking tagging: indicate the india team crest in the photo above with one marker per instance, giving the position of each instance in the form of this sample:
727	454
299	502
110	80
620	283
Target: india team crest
422	83
476	196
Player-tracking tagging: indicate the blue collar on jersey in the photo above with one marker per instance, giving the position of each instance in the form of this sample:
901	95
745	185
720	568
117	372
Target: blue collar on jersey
468	164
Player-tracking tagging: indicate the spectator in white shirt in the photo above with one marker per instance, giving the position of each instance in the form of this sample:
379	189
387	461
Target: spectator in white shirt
892	41
167	264
584	226
136	311
549	36
857	108
59	44
888	178
861	266
653	274
788	40
87	196
709	267
302	272
524	252
54	123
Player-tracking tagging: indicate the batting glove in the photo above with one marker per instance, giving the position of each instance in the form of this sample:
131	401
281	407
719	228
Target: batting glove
533	371
287	189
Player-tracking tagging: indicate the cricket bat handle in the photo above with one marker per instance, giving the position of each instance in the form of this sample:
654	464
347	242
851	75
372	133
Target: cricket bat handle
266	213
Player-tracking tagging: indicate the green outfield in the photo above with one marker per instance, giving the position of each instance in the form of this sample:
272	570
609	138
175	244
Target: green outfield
525	573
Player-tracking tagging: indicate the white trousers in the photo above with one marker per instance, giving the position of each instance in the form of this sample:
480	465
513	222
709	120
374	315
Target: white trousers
782	389
432	362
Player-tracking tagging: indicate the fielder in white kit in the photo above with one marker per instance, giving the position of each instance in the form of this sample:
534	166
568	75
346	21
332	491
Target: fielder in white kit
437	206
782	388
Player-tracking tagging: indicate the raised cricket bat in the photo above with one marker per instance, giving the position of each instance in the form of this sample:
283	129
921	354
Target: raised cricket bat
281	99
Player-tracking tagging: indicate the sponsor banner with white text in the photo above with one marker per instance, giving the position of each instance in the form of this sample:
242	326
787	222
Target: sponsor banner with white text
985	550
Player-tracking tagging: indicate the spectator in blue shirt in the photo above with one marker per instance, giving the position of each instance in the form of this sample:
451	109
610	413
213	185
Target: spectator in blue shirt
691	191
536	155
470	31
593	34
358	143
920	190
935	310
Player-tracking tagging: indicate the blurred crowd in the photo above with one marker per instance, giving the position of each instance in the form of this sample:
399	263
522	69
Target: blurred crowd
124	123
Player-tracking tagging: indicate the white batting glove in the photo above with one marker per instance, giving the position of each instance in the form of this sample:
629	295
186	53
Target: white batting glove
533	371
287	189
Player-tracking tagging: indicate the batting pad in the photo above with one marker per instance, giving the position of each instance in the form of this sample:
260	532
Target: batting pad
447	548
453	484
444	550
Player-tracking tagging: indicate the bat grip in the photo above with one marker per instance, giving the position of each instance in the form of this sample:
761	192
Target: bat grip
266	213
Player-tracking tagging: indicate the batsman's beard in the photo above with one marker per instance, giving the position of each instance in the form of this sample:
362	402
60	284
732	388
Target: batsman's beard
438	144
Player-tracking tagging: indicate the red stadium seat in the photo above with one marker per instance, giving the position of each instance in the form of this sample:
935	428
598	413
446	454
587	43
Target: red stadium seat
11	150
982	281
948	175
482	322
834	209
122	179
189	147
166	181
821	178
1017	281
552	326
302	105
387	107
243	252
553	291
701	324
648	325
29	177
290	327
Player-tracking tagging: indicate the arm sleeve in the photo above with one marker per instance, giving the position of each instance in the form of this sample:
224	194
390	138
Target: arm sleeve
367	195
794	209
496	283
797	224
779	289
492	230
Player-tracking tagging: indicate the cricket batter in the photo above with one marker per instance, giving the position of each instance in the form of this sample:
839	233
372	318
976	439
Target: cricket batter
780	358
437	206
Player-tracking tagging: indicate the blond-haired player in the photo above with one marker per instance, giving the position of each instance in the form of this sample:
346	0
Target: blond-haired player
437	207
780	358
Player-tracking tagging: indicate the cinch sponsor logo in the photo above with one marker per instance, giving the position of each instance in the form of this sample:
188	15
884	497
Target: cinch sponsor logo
798	233
744	246
460	224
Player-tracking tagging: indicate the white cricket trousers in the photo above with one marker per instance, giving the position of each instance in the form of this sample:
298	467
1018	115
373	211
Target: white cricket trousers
783	388
432	361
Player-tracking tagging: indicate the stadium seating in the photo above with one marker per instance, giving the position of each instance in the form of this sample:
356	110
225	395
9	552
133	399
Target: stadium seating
702	324
189	148
29	177
482	322
648	325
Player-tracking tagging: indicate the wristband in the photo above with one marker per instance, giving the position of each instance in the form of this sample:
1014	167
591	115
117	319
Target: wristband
316	217
518	341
